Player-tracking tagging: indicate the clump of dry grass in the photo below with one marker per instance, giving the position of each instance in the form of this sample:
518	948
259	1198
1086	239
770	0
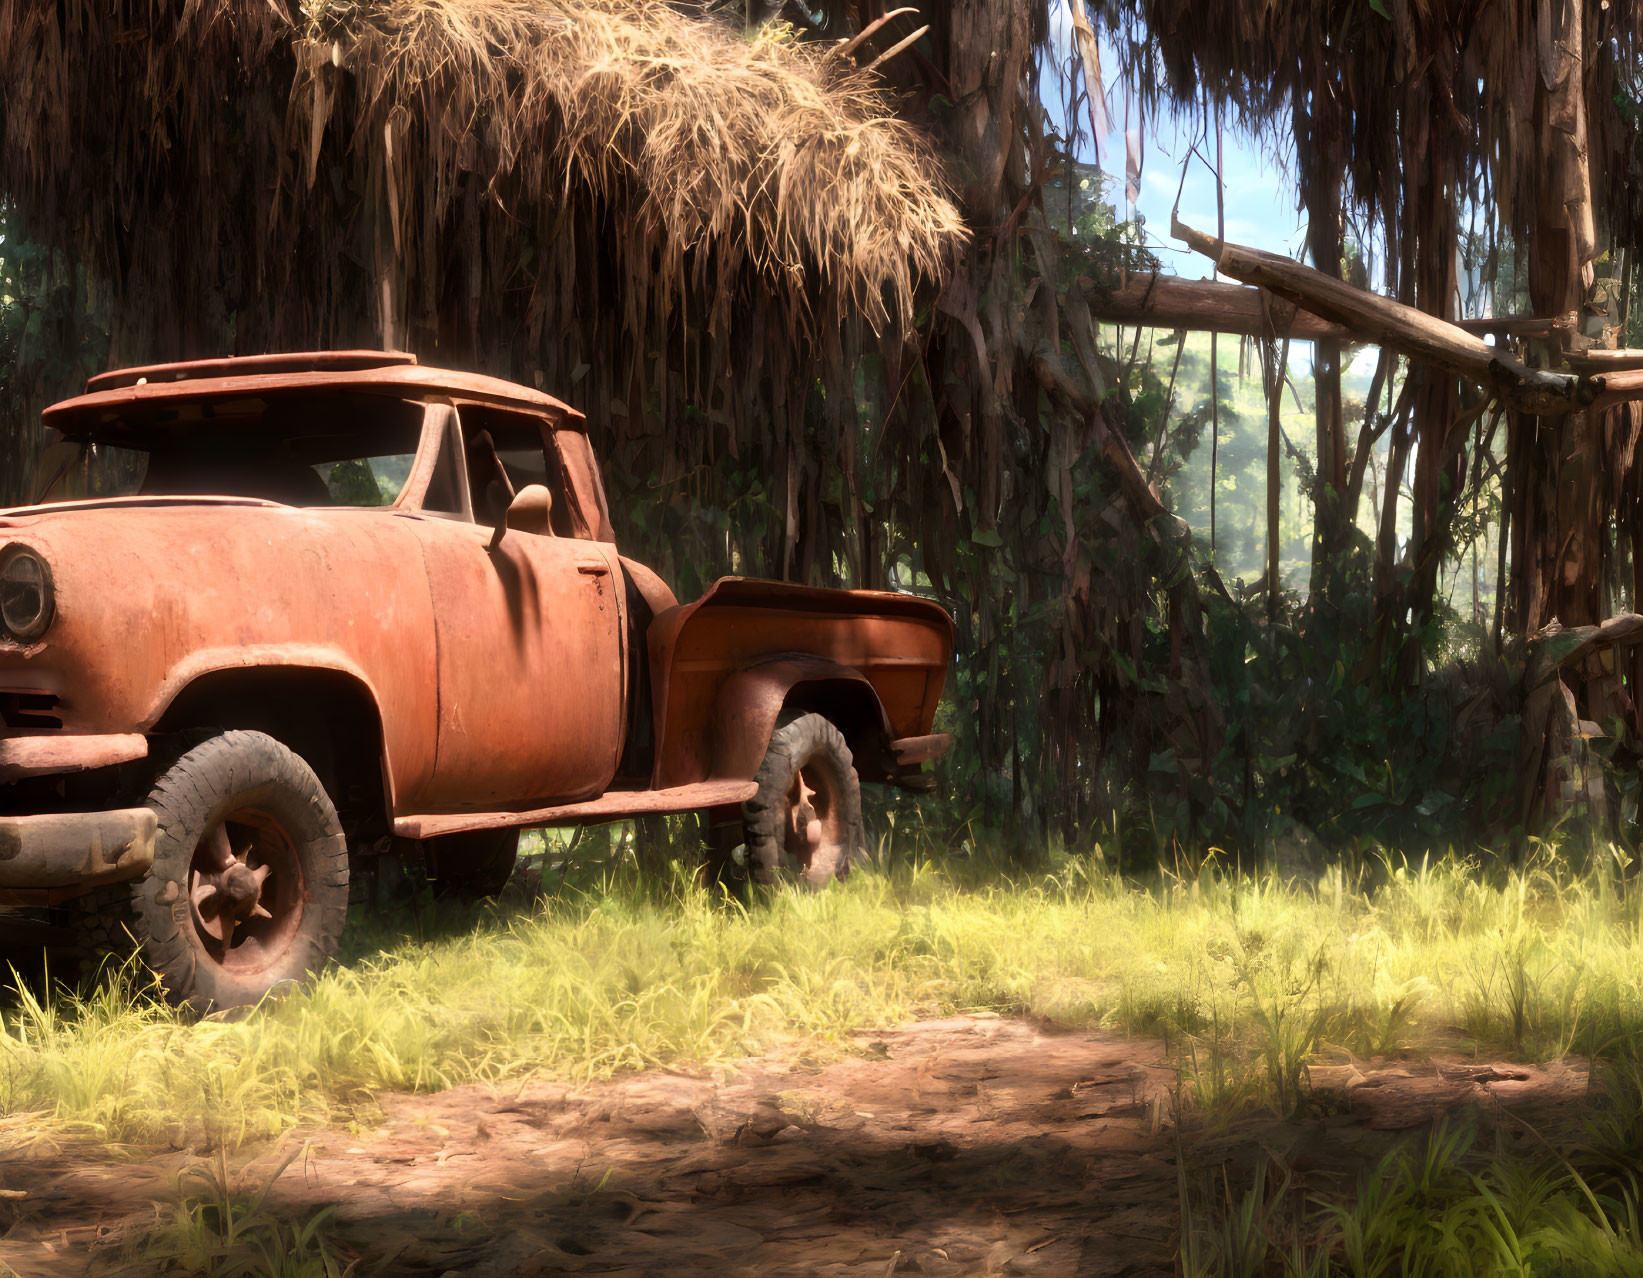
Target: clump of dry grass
728	150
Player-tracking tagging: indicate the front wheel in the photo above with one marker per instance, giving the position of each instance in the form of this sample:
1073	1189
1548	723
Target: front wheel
804	823
249	886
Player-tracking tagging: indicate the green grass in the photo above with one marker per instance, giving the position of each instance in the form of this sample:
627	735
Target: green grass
223	1226
1436	1205
1245	978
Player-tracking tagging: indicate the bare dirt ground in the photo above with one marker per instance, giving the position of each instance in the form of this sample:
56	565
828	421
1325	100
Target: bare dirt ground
964	1146
971	1145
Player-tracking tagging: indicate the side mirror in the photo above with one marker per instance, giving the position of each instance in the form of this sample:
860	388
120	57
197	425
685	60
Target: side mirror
529	512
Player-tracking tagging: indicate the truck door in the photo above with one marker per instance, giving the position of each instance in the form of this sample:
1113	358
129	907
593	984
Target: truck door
530	636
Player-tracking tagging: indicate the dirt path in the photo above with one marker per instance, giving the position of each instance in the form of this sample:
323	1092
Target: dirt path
971	1145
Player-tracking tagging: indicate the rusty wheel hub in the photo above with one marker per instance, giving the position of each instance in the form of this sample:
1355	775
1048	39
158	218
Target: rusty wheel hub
245	889
226	891
809	817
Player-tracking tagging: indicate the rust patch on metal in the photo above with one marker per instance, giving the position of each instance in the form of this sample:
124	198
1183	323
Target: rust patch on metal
911	750
73	848
42	756
897	645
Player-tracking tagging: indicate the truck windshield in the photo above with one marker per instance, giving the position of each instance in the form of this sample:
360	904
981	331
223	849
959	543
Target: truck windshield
297	453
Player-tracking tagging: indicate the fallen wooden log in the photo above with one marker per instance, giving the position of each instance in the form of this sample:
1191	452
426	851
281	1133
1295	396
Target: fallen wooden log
1202	306
1603	361
1168	301
1379	319
1616	388
1509	325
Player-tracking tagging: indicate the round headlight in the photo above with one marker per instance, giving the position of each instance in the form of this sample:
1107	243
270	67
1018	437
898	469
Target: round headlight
26	602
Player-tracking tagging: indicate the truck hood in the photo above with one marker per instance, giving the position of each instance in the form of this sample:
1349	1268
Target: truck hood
152	592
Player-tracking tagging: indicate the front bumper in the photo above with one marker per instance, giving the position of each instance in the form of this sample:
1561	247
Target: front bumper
76	849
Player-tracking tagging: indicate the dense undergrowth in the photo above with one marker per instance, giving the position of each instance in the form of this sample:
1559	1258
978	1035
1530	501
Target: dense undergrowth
1245	978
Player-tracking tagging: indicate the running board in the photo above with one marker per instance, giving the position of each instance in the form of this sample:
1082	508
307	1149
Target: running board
611	806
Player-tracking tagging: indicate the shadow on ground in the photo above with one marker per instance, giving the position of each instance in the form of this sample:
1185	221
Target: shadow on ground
964	1146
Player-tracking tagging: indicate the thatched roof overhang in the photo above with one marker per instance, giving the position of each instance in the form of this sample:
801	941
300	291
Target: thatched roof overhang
738	152
440	147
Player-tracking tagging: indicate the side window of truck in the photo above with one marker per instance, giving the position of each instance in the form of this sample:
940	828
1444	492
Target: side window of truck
581	476
506	453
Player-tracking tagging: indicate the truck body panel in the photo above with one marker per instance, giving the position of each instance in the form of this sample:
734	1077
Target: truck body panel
898	645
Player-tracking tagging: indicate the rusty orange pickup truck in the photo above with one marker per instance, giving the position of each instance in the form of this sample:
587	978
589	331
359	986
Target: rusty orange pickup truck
322	607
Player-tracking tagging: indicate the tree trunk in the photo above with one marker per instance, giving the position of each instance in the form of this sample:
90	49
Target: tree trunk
1321	174
1274	480
1564	514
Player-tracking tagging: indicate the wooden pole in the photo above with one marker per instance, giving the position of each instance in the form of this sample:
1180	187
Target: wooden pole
1317	119
1168	301
1214	435
1214	366
1274	477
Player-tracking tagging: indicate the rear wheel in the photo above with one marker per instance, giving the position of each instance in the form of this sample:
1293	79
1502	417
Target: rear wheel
804	823
249	886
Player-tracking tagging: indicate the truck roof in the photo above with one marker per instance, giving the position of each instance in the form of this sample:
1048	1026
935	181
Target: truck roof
392	373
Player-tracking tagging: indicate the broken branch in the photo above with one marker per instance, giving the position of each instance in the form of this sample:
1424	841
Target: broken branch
1415	333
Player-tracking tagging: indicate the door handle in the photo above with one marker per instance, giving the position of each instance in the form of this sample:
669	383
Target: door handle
594	570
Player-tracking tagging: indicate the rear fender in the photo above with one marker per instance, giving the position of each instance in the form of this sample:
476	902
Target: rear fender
751	701
723	667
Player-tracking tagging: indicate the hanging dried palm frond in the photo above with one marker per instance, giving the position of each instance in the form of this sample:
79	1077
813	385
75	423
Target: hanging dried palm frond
225	166
723	153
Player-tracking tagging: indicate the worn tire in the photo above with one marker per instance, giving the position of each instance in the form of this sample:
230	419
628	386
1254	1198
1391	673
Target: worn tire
807	780
245	788
473	866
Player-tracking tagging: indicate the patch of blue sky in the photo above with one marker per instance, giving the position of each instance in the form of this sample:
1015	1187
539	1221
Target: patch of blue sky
1260	193
1259	196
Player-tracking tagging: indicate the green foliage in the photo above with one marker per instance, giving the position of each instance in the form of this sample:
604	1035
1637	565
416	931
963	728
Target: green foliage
352	483
1238	551
1317	755
222	1225
1435	1205
1078	203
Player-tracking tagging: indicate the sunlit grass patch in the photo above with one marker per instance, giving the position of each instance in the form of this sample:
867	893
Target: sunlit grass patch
1247	979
